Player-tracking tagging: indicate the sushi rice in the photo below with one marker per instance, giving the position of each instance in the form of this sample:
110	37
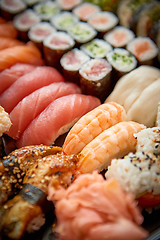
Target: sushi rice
97	48
121	60
139	172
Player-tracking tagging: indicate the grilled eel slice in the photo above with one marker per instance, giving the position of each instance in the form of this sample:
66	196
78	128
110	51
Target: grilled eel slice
14	166
26	211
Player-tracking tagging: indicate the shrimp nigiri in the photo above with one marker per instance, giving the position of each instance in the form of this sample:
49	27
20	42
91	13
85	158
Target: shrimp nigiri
91	125
114	142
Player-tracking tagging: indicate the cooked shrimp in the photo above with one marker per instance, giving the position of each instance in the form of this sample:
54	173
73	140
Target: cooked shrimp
91	125
114	142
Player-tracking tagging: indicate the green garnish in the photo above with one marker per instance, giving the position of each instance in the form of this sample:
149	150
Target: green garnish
95	49
124	59
81	32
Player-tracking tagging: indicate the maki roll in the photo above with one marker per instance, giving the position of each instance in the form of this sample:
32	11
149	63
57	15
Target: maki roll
68	5
95	78
55	45
154	34
24	21
103	21
144	49
127	8
38	32
144	19
31	3
85	10
119	36
97	48
9	8
121	61
64	20
71	63
45	10
82	33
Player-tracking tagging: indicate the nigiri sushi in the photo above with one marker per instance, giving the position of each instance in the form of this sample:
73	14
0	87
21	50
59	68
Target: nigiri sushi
39	77
93	208
57	119
138	174
14	166
33	104
7	29
10	75
26	211
116	141
91	125
20	54
9	42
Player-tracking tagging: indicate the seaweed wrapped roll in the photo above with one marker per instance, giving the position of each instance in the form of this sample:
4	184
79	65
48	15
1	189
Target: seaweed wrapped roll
85	10
45	10
82	33
103	22
64	20
95	78
119	36
38	32
24	21
68	5
97	48
55	45
144	49
71	63
121	61
10	8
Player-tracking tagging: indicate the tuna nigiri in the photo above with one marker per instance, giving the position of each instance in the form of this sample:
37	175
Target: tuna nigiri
39	77
57	119
10	75
91	125
116	141
9	42
28	53
33	104
7	29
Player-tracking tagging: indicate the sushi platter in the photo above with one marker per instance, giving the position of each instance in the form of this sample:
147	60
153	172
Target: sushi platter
79	119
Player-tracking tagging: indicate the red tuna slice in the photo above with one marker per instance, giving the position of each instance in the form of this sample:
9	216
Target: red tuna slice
33	104
57	119
39	77
10	75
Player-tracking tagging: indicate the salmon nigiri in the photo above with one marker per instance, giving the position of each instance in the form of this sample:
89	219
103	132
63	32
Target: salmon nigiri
33	104
117	141
7	29
10	75
91	125
9	42
57	119
28	53
39	77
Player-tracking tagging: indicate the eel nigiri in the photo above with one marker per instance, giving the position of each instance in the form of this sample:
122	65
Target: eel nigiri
57	119
116	141
7	29
91	125
14	166
28	53
10	75
26	211
33	104
9	42
39	77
